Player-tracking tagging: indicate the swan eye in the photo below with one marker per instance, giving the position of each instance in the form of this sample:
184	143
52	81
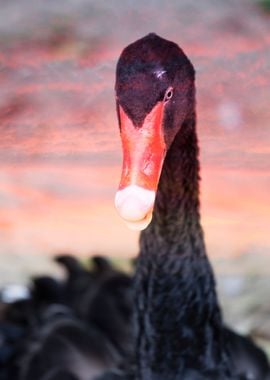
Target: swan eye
168	95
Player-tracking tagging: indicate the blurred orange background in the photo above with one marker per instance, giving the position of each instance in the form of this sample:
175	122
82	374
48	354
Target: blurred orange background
60	151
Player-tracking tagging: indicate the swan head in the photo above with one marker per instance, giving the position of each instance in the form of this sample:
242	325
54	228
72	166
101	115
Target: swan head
154	95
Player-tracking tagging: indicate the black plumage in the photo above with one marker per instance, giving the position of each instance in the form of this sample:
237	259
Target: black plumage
179	328
74	328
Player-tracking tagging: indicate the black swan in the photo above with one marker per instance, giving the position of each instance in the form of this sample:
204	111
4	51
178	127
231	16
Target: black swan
75	328
102	297
179	328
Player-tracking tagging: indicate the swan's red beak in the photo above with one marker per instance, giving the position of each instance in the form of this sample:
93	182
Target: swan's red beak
143	155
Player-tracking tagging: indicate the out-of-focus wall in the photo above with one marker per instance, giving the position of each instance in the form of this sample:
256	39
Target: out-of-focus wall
60	153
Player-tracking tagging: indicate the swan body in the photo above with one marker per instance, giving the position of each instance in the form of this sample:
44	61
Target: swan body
179	328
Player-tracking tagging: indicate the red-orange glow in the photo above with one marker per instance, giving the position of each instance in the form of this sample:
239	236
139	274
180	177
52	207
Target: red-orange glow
143	149
60	150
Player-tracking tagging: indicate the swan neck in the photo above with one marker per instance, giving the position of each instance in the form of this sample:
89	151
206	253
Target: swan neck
174	277
176	217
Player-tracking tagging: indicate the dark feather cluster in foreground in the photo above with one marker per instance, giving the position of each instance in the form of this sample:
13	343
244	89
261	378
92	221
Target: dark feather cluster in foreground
74	329
80	328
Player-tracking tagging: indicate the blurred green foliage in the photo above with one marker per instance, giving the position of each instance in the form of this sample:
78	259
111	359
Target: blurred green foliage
265	4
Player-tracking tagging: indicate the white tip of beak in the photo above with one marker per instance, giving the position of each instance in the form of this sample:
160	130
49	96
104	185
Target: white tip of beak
135	205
